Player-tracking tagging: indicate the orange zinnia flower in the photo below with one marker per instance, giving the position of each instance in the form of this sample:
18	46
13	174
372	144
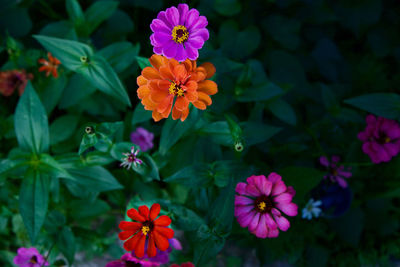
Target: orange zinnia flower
168	80
49	66
146	225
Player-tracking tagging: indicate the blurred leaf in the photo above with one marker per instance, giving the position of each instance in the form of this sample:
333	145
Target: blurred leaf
284	30
60	29
221	215
33	202
227	7
196	175
84	209
31	126
207	246
140	115
255	133
98	12
63	128
219	132
66	244
349	226
52	91
88	141
120	55
77	89
48	165
381	104
260	92
15	19
143	62
283	111
329	59
74	11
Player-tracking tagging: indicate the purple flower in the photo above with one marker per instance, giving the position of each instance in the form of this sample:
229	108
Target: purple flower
29	257
162	257
142	138
131	158
336	173
179	33
381	139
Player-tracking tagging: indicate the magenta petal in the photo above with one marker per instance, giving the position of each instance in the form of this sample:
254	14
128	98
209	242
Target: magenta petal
240	210
274	177
157	50
192	17
163	17
241	188
172	15
243	201
391	149
195	42
170	49
254	223
282	223
201	23
283	198
161	38
180	53
261	230
158	25
265	186
245	219
324	161
183	10
278	188
269	221
192	53
273	233
253	191
203	33
341	182
289	209
370	119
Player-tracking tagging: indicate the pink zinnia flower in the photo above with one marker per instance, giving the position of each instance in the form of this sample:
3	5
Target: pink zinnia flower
381	139
336	173
259	204
29	257
142	138
179	33
12	80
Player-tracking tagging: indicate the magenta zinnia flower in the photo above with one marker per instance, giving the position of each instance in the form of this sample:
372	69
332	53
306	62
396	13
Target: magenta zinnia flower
142	138
336	173
29	257
259	204
381	139
179	33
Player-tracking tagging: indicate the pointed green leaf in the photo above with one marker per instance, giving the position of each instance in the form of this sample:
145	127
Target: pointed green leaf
98	12
66	244
283	111
381	104
143	62
31	126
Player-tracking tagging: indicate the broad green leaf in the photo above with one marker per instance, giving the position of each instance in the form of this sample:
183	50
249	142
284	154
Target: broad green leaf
84	209
350	226
94	179
186	219
143	62
77	89
283	110
259	92
98	12
63	128
120	55
219	132
66	243
51	167
221	215
31	126
227	7
52	92
75	12
88	141
381	104
208	245
173	130
197	175
284	30
140	115
255	133
60	29
33	202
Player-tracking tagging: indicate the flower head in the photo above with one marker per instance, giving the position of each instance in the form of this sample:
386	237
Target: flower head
128	260
179	32
186	264
312	209
169	84
381	139
146	225
336	173
142	138
29	257
49	66
259	204
131	158
12	80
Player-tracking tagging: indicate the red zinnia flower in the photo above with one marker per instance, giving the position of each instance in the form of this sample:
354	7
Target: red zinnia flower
146	225
12	80
49	66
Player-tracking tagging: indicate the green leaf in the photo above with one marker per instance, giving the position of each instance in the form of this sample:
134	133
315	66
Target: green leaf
51	167
207	246
33	202
52	92
255	133
302	179
63	128
75	12
31	126
197	175
77	89
88	141
227	7
186	219
284	30
261	92
84	209
99	12
283	111
140	115
120	55
94	179
221	214
143	62
66	244
219	132
381	104
173	130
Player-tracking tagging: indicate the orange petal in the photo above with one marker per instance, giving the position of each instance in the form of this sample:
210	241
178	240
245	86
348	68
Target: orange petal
200	105
141	80
134	215
144	211
43	61
143	91
154	211
191	85
166	232
210	68
209	87
166	73
188	65
180	73
54	72
157	116
163	220
185	114
43	68
161	242
156	61
181	103
205	98
191	96
139	249
151	249
176	114
130	244
129	226
150	73
166	104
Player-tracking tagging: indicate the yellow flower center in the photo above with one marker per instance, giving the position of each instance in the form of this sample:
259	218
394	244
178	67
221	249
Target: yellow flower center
145	230
175	89
180	34
262	205
387	139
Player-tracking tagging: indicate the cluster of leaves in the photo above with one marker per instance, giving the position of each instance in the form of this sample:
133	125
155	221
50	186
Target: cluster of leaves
296	79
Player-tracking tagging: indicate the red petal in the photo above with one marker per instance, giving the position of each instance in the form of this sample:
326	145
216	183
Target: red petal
163	220
144	211
161	242
154	211
167	232
125	235
134	215
131	226
151	249
139	249
130	244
